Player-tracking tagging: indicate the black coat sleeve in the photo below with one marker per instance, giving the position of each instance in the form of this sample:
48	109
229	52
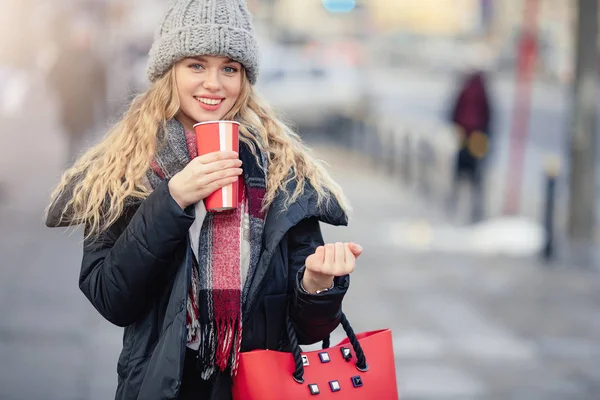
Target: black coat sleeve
121	268
315	316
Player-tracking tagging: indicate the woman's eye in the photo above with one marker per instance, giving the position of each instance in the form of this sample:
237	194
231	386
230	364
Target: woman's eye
230	70
196	66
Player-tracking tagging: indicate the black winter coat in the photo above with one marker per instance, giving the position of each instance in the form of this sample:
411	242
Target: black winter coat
137	276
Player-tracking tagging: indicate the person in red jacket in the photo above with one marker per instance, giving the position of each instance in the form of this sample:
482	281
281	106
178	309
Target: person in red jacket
471	117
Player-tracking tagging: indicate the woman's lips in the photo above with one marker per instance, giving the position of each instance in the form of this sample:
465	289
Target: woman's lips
209	104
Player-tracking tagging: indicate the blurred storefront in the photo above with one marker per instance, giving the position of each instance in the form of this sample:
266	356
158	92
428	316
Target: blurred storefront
410	26
426	17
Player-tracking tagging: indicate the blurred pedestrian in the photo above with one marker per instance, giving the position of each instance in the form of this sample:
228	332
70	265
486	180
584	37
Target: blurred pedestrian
139	193
78	79
471	117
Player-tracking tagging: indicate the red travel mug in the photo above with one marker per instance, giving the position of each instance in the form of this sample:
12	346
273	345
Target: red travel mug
219	136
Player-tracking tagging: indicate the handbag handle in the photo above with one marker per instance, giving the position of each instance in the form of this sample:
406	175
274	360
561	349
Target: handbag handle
361	363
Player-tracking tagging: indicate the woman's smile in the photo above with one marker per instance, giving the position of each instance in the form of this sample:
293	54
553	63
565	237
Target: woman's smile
209	103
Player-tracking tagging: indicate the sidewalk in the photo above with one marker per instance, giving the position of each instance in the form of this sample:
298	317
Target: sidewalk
466	325
416	222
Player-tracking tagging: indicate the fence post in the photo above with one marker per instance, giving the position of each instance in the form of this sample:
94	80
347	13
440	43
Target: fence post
406	158
391	151
552	170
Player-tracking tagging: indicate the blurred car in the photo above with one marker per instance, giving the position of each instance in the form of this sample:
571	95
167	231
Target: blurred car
424	52
313	86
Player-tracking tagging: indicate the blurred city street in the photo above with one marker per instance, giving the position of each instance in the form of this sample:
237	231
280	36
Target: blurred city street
465	326
475	311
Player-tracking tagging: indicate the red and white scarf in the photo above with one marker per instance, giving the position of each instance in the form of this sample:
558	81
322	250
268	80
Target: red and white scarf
226	249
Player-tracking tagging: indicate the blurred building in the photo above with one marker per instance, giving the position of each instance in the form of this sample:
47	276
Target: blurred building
297	20
429	26
428	17
310	17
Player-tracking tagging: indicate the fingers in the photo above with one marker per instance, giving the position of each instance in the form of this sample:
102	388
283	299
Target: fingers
219	165
329	255
315	261
339	259
340	254
218	184
350	261
349	254
334	259
320	254
355	249
217	156
220	175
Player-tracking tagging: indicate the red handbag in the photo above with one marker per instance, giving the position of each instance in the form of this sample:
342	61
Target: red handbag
339	372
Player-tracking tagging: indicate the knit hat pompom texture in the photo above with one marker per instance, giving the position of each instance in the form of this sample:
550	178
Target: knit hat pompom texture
194	28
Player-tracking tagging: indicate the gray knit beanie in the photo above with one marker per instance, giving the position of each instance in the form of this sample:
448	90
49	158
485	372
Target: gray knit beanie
204	27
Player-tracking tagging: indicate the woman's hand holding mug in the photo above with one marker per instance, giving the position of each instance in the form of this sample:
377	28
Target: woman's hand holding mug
204	175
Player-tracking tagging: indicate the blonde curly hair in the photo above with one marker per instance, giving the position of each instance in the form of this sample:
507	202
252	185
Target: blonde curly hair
115	169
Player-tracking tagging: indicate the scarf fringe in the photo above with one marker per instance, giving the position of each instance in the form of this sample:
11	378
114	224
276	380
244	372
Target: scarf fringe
226	337
192	327
192	323
235	356
206	351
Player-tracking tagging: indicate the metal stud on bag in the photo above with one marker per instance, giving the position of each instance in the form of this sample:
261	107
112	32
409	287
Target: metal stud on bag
346	353
314	389
335	386
356	381
324	356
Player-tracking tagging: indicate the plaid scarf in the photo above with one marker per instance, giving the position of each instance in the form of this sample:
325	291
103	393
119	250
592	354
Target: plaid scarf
226	250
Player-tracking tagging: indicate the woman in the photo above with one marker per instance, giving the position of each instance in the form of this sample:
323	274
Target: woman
153	258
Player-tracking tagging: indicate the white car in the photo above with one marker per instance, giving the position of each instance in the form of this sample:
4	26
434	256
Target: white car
309	90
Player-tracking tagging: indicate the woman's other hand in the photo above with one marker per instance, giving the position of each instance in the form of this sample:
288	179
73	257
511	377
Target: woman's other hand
327	262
